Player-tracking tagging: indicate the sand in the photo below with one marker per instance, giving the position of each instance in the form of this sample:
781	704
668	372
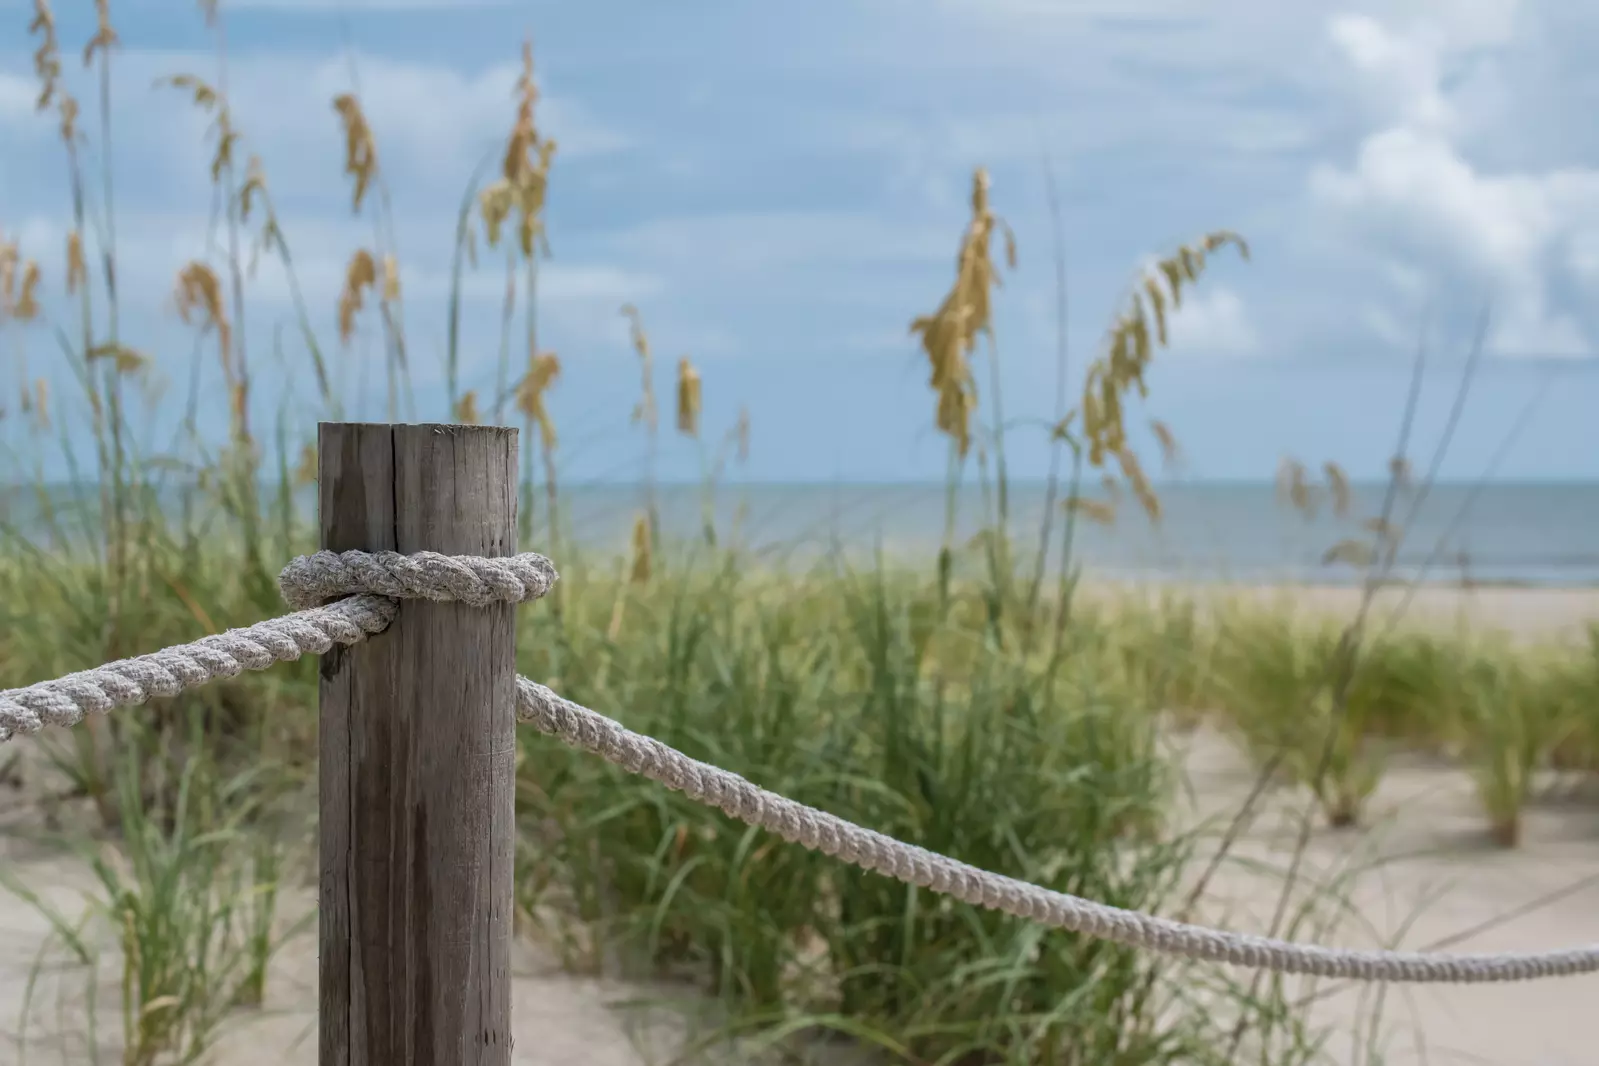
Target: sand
1438	879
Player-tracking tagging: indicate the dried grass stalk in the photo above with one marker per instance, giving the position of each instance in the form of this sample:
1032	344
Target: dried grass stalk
360	276
360	148
542	371
643	560
77	267
949	335
1338	488
466	411
644	411
688	398
1130	346
199	291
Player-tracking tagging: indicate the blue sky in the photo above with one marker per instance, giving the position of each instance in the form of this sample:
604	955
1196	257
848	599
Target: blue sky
780	188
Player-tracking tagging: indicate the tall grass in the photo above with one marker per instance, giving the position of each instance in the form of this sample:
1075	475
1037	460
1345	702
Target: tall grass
965	705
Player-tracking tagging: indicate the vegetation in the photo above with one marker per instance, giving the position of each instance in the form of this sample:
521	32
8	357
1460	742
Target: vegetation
985	706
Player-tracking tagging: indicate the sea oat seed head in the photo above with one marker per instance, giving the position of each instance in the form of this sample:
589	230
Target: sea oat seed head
1338	486
27	307
543	369
359	276
199	289
643	556
105	38
950	334
688	398
77	268
1294	488
391	279
10	259
1099	512
466	411
1171	453
360	149
644	412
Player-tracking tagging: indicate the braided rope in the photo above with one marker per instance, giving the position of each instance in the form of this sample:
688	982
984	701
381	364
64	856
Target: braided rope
313	579
381	578
378	579
833	836
127	682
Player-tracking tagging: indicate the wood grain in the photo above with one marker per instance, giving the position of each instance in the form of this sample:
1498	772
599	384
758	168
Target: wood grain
417	751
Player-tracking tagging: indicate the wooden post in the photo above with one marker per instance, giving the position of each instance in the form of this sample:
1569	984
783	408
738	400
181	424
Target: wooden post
418	760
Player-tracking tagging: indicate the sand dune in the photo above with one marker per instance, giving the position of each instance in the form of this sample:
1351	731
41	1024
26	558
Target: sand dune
1429	874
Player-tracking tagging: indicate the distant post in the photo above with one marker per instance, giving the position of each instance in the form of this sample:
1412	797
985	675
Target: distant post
417	750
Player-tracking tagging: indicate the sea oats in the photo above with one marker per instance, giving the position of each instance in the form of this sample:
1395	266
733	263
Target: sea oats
1171	453
741	435
105	37
360	276
360	148
949	335
1356	553
10	260
688	398
1129	347
391	279
1133	473
1099	512
77	268
524	171
41	403
27	307
1399	471
199	291
642	562
1294	487
125	359
47	57
1338	486
466	409
644	412
542	371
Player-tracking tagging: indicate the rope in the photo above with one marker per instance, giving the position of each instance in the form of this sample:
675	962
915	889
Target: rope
380	578
833	836
66	700
377	577
313	579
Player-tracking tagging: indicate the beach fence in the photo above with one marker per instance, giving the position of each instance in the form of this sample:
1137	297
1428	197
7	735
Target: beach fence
411	603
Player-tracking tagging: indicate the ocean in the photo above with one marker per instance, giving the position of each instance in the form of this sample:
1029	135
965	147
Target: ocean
1542	534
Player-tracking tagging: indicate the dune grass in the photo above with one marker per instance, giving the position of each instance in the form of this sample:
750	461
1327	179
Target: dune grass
979	704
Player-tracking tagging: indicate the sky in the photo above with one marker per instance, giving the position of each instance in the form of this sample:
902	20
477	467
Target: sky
781	188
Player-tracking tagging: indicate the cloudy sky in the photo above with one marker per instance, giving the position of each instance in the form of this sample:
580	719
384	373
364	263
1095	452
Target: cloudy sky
780	188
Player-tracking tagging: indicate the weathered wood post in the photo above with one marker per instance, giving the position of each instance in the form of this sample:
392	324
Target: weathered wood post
417	761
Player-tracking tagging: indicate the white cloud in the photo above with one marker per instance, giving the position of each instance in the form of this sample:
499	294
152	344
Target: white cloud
1412	191
1400	72
17	96
1213	321
578	300
430	120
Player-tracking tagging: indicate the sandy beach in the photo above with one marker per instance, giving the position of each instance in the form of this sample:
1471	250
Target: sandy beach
1429	877
1522	613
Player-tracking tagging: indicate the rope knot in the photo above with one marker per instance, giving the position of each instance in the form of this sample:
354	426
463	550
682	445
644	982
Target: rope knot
310	580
